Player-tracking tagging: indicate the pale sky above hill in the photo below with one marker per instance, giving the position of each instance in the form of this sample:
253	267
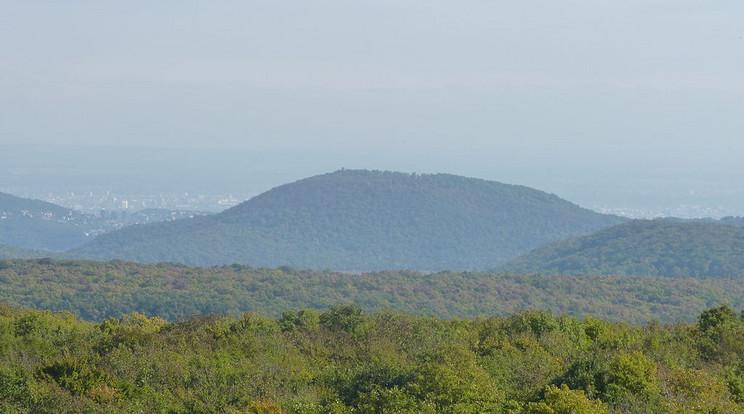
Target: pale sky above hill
594	87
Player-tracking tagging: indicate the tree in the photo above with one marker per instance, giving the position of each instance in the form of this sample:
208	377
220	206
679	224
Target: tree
631	377
564	400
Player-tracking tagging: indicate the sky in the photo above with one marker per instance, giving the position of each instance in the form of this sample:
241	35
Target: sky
562	95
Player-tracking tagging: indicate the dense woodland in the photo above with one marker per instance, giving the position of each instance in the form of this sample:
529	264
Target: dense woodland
83	336
98	290
356	220
363	220
344	361
645	247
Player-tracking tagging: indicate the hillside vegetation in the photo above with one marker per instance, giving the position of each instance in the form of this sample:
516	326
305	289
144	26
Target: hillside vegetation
37	224
13	252
344	361
363	220
644	247
96	291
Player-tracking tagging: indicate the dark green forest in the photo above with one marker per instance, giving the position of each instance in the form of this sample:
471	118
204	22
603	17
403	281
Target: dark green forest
644	247
98	290
363	220
342	360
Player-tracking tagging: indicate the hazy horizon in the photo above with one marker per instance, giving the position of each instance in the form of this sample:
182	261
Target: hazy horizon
611	105
44	171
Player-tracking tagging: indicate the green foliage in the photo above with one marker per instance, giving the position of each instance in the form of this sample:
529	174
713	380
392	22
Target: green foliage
346	361
735	381
74	376
304	320
97	291
588	374
695	391
630	375
714	322
347	318
393	400
535	322
721	331
522	367
564	400
451	378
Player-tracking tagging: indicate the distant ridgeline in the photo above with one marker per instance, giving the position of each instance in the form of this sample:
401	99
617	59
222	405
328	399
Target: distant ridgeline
97	290
363	220
37	224
668	247
14	252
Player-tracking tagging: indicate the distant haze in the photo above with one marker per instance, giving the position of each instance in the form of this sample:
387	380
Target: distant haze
634	106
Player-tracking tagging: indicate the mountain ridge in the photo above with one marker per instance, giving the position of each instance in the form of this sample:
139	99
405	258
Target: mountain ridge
36	224
8	251
363	220
660	247
100	290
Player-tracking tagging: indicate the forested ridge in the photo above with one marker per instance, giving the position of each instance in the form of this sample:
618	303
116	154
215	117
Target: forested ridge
98	290
14	252
644	247
342	360
363	220
11	205
36	224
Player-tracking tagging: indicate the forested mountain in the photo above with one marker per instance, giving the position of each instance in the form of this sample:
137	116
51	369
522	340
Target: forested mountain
733	221
644	247
13	252
37	224
11	206
363	220
96	290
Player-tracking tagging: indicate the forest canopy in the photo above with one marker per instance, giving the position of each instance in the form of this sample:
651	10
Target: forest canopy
358	220
659	247
98	290
342	360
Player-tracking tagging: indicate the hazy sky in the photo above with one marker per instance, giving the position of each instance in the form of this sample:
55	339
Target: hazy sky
599	87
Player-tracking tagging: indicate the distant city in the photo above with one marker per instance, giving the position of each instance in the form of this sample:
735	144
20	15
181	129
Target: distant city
107	180
108	202
112	204
681	211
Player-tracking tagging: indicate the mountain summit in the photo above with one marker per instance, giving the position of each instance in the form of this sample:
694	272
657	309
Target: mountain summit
363	220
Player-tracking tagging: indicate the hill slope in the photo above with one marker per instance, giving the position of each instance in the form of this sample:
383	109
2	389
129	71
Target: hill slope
13	252
99	290
643	247
37	224
363	220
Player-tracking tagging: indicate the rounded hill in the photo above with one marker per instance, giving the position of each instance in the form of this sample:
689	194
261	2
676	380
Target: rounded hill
643	247
35	224
364	220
